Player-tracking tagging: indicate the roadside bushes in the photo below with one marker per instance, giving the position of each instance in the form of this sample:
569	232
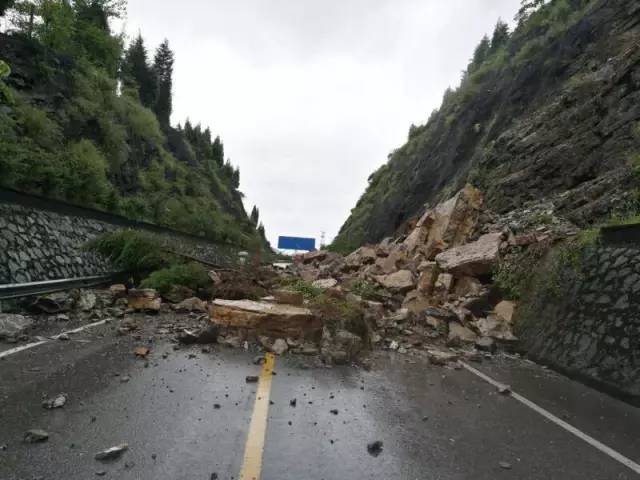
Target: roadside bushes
191	275
145	258
132	252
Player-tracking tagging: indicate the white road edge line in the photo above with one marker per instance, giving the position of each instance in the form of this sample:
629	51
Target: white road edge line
561	423
6	353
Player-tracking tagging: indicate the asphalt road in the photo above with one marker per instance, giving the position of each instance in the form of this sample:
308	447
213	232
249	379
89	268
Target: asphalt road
435	423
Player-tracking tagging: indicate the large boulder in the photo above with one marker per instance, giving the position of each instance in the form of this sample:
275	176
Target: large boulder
263	318
13	325
459	334
496	327
473	259
393	261
450	223
145	299
400	281
416	301
505	309
193	304
340	347
362	256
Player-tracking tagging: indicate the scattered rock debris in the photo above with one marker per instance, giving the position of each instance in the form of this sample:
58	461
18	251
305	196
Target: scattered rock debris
58	401
141	352
112	453
504	390
375	448
35	436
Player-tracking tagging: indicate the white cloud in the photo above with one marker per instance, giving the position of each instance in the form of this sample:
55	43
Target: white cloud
310	96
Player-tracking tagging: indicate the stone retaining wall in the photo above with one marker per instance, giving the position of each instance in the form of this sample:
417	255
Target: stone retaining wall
42	240
588	325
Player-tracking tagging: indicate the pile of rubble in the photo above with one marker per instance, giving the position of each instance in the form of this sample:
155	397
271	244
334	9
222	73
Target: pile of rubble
427	292
430	290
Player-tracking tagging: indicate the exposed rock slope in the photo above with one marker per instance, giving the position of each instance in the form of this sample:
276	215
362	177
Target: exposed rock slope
550	117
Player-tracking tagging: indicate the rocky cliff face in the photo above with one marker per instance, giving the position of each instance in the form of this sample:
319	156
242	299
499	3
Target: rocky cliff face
553	117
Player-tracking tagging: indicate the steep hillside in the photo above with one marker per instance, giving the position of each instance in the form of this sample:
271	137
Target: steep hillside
75	125
548	112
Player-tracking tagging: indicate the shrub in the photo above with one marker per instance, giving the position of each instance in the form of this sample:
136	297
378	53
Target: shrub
366	289
133	252
85	176
305	288
36	124
191	275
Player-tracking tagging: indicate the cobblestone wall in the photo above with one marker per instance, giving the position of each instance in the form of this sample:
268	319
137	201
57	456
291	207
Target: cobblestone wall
590	325
38	244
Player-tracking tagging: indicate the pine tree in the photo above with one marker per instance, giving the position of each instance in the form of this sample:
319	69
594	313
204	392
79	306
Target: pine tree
218	151
163	70
527	7
481	53
500	36
255	215
137	74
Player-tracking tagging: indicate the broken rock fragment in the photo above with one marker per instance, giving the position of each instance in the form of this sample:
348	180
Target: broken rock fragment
141	351
193	304
401	281
325	283
55	402
459	334
472	259
13	325
145	299
263	318
112	453
375	448
36	435
289	297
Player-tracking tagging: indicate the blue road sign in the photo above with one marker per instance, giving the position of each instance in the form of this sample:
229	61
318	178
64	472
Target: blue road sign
297	243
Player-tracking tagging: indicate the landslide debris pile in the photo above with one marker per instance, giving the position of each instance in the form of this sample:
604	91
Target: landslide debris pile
428	292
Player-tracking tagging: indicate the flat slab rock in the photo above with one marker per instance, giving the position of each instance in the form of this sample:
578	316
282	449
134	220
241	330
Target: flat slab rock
472	259
12	325
270	319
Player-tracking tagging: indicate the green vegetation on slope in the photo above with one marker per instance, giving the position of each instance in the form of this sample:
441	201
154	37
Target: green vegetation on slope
505	129
85	120
144	257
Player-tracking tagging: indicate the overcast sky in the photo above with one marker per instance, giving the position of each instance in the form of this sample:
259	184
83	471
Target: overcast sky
310	96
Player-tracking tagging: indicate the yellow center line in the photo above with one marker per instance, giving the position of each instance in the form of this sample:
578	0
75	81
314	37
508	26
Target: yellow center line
252	463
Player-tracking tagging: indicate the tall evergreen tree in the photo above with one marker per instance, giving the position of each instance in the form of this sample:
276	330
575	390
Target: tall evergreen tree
500	36
255	215
137	74
163	69
218	151
481	53
527	7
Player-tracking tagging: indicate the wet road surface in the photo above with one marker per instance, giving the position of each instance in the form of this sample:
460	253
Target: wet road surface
435	423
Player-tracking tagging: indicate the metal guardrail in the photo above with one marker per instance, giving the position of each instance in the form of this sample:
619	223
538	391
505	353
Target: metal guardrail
19	290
